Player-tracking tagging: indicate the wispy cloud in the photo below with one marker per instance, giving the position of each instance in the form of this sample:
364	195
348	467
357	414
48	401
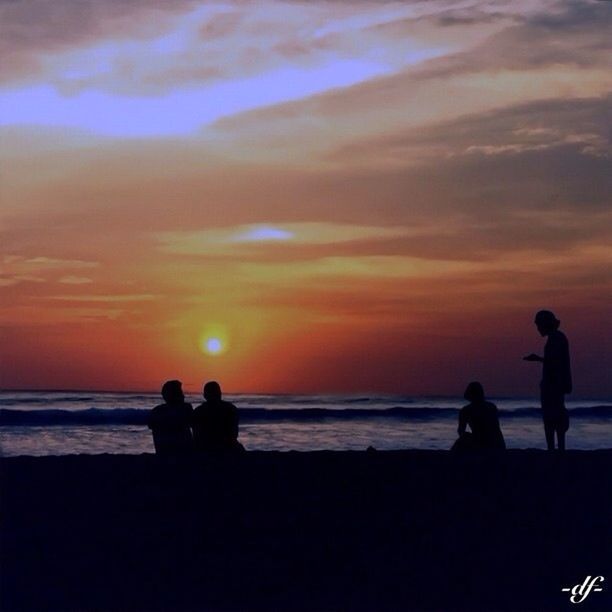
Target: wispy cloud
45	263
263	233
137	297
227	240
16	269
75	280
31	30
539	51
212	61
580	123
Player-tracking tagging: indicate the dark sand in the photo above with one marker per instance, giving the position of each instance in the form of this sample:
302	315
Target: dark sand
410	530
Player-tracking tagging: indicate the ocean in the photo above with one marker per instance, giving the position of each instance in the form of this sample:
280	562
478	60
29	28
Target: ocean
61	423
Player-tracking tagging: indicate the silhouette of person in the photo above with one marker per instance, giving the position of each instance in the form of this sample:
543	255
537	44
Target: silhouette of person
215	422
556	378
482	418
170	422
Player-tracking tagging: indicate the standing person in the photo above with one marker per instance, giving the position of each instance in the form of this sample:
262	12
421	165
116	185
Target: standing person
556	378
483	420
215	422
170	423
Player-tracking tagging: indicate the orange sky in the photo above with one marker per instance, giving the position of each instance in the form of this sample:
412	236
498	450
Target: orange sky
351	196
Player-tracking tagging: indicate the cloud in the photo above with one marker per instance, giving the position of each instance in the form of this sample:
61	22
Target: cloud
45	263
75	280
139	48
29	29
16	269
221	25
469	17
529	174
237	242
107	298
582	124
552	50
173	76
142	70
577	34
492	229
8	281
31	317
263	233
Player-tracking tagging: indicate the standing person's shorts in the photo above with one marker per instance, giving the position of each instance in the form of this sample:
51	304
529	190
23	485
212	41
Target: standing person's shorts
554	411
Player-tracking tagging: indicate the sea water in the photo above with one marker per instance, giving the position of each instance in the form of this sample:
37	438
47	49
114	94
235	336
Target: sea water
59	423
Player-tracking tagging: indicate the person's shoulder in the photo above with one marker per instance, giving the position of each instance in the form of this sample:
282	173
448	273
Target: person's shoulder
557	341
491	406
156	415
558	337
228	405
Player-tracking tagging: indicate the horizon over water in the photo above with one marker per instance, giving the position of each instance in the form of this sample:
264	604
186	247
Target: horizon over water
58	422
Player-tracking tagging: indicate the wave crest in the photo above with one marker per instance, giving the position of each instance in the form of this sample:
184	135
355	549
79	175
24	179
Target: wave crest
131	416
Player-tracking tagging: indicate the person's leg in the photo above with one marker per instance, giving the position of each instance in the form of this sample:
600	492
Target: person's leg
549	430
561	439
563	424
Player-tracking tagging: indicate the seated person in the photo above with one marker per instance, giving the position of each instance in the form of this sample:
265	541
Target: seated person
482	418
170	423
215	422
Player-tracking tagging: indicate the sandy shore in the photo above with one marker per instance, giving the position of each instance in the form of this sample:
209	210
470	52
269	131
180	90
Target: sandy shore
410	530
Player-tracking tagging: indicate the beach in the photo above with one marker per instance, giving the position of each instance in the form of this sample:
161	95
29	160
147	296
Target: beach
402	530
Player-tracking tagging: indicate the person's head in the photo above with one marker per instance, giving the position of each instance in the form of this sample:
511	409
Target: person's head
546	322
474	392
212	391
172	392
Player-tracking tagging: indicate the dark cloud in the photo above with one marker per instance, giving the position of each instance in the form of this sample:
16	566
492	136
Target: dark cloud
579	34
564	51
468	17
583	124
221	25
29	28
548	199
550	154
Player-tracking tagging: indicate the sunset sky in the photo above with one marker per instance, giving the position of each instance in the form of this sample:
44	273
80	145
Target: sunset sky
324	196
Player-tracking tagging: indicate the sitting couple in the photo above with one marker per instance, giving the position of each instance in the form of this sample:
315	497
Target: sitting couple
178	429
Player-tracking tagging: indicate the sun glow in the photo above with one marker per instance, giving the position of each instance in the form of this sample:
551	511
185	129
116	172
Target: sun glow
213	346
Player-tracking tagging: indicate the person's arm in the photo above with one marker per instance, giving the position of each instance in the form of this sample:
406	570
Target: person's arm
567	382
151	419
235	423
189	419
559	358
462	422
533	357
195	424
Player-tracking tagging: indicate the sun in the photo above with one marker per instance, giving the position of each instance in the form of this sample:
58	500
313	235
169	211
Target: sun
213	339
213	346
